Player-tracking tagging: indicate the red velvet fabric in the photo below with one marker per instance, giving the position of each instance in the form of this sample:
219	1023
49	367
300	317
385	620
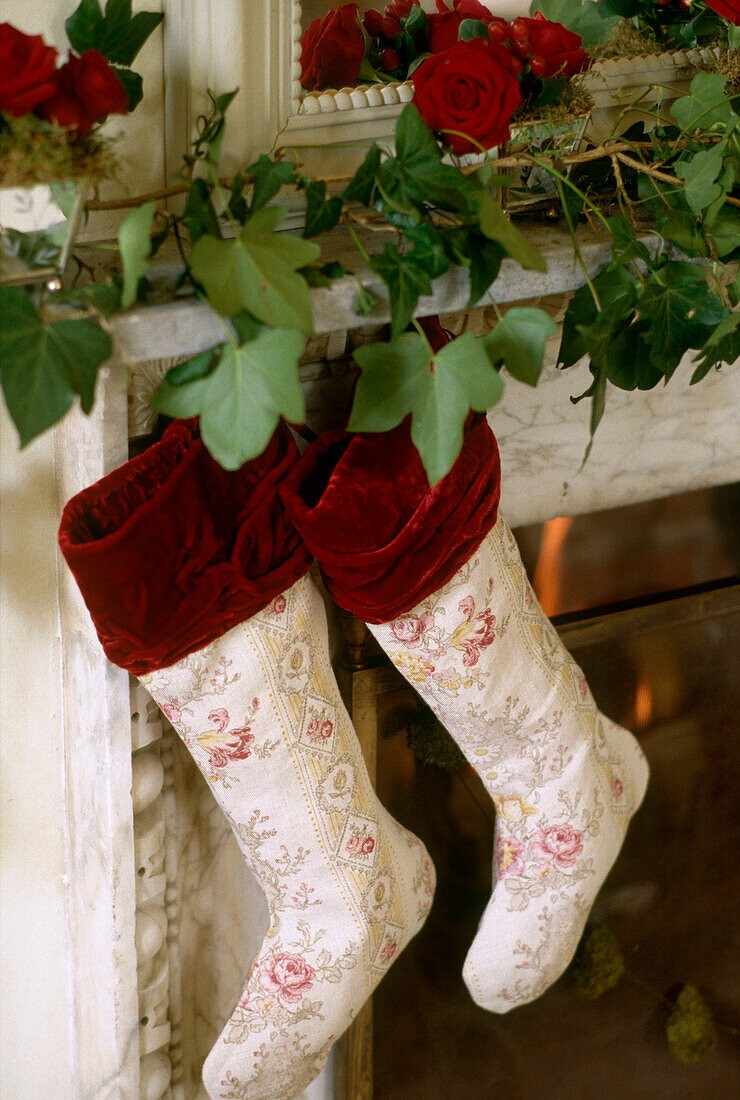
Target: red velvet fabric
383	538
170	551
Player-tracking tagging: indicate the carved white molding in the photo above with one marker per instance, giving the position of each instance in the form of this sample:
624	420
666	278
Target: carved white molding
148	773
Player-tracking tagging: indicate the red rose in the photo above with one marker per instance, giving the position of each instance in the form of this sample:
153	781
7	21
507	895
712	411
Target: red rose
332	49
728	9
26	70
471	9
470	89
399	9
552	49
87	91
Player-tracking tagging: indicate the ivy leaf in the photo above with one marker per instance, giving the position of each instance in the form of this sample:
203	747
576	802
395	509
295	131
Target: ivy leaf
617	292
629	366
583	18
117	35
361	186
690	1029
269	177
237	203
438	390
242	399
322	214
44	365
706	104
551	89
198	366
482	258
135	244
723	346
199	215
429	249
133	84
682	312
625	247
322	276
417	175
472	28
365	301
699	174
416	24
258	272
497	227
518	342
406	280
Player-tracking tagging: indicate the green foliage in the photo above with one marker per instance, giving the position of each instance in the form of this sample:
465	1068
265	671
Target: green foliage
406	279
518	342
598	964
706	104
472	28
258	272
118	34
690	1029
722	346
322	213
199	215
646	319
269	176
44	366
135	246
431	743
239	392
438	389
497	227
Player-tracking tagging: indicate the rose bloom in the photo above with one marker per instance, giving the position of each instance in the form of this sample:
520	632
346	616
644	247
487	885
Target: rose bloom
552	49
560	844
87	91
27	67
287	975
332	49
728	9
470	89
409	630
279	604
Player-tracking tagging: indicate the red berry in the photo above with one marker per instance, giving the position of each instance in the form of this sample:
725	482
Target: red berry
372	21
390	59
498	30
538	66
390	27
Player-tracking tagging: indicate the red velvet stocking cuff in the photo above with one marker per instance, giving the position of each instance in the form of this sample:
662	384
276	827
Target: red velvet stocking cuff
383	538
170	551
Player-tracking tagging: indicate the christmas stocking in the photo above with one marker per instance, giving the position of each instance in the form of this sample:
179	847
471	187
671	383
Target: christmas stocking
197	583
440	582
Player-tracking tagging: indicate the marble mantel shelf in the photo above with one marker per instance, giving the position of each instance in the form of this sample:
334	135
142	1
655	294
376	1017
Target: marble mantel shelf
649	445
185	327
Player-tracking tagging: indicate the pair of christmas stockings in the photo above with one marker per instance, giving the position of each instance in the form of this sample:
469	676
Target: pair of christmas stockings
196	581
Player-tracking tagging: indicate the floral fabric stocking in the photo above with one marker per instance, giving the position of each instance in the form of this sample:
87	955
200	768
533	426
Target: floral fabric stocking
346	885
564	779
197	583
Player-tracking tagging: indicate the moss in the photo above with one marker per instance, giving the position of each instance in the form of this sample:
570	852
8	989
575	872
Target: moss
431	743
33	151
690	1028
598	964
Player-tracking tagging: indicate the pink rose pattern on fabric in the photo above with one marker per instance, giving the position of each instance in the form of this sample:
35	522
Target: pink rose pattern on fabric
509	852
287	975
560	844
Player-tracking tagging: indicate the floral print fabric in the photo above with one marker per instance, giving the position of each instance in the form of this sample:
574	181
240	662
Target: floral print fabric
346	885
563	778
